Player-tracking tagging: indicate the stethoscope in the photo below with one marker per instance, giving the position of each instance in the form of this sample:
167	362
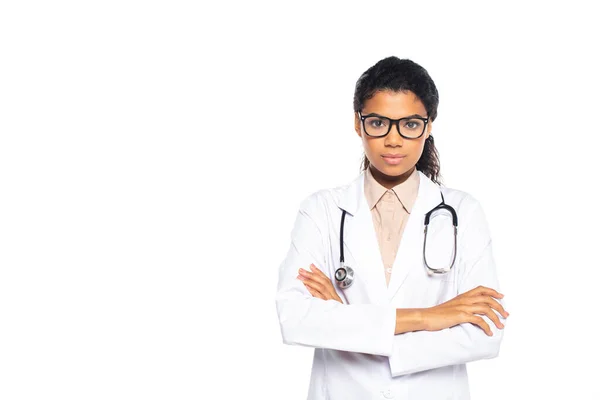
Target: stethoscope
344	276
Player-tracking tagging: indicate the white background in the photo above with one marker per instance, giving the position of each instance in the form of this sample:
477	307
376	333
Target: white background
153	156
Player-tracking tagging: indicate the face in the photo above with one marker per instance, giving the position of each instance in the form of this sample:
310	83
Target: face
386	170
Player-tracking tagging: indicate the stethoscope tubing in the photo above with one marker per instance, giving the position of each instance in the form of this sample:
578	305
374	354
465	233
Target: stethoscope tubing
344	275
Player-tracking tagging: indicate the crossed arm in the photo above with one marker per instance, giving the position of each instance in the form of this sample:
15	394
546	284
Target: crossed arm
463	329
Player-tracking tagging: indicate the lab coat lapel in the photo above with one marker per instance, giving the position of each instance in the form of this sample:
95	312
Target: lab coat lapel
360	241
409	258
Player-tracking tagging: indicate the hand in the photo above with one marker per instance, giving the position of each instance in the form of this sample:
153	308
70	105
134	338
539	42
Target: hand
464	308
318	284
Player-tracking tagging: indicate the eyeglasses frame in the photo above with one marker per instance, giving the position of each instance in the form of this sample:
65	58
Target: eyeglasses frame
392	122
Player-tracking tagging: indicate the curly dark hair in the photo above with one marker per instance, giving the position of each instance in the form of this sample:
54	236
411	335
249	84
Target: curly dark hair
400	75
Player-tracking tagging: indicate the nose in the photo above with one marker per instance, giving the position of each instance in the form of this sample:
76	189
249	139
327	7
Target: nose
394	137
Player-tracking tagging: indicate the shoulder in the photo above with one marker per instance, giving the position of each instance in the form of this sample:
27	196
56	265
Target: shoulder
324	206
313	213
473	225
319	201
464	202
472	220
331	197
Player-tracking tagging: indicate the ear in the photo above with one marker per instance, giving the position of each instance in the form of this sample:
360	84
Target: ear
357	124
428	131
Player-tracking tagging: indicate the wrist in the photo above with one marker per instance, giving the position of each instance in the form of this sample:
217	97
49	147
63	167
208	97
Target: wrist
409	320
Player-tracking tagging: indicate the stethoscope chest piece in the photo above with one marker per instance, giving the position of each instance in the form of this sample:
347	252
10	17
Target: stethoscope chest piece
344	276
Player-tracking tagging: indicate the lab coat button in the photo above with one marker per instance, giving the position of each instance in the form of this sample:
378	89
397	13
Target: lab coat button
387	394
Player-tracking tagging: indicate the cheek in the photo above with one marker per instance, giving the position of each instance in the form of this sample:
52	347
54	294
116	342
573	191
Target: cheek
418	148
367	143
414	148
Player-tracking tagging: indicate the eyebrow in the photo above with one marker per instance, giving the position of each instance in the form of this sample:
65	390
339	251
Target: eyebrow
383	116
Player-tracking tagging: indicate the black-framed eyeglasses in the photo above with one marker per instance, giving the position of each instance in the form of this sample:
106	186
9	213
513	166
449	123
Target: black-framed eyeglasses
375	125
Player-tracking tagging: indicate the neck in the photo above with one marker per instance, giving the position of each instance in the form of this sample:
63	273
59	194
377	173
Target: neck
388	181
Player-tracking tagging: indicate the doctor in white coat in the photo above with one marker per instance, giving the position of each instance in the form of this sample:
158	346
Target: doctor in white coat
411	338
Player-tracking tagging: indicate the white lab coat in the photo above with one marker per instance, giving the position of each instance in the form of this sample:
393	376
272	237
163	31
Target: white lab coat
356	354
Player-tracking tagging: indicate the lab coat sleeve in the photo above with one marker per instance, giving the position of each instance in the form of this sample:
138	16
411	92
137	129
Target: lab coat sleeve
309	321
423	350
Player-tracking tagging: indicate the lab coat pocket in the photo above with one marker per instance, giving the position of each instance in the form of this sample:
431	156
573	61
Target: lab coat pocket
443	290
438	289
422	290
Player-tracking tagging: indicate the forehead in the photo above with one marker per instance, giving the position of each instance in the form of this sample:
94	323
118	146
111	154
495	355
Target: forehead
394	104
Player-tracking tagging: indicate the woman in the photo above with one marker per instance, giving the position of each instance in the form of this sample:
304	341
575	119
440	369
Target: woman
396	325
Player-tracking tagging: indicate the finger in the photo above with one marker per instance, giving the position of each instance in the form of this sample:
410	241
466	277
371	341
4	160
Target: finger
484	309
480	322
312	291
488	291
315	293
337	298
305	275
316	270
309	276
482	290
322	279
317	286
327	291
493	303
308	282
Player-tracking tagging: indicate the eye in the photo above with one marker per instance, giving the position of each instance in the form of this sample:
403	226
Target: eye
376	122
413	124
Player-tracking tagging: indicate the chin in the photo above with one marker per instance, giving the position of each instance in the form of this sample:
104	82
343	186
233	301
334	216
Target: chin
392	170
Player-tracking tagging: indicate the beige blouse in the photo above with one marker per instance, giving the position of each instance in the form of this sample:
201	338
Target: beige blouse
390	210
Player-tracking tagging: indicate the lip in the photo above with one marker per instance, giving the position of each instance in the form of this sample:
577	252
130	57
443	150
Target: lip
393	159
393	156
